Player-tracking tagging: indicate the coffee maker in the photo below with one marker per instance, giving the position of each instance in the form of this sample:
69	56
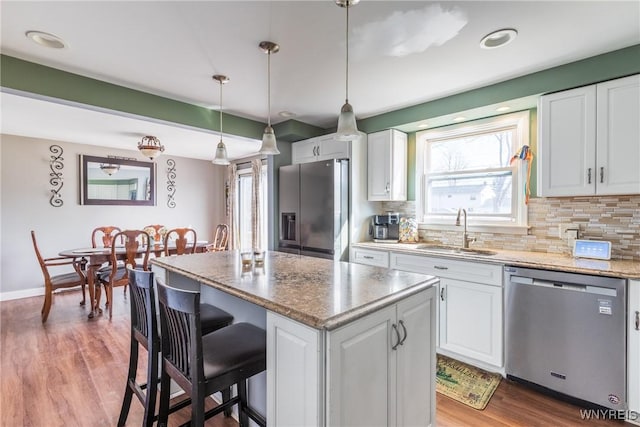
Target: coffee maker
385	228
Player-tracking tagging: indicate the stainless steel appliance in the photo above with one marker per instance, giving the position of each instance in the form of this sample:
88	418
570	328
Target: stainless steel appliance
566	333
314	209
385	227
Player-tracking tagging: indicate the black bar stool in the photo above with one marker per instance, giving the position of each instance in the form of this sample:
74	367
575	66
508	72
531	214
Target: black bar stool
202	365
144	332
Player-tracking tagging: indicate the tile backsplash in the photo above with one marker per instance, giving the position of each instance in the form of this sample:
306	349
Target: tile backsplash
612	218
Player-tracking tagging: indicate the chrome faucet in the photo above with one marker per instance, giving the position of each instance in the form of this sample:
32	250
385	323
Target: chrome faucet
465	236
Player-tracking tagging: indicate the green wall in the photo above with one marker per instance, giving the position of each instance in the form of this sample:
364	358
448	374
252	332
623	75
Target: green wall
24	76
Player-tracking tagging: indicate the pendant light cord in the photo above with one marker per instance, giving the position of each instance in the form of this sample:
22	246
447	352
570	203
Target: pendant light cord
347	71
269	88
220	110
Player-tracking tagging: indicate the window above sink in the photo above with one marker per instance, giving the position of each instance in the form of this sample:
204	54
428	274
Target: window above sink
469	166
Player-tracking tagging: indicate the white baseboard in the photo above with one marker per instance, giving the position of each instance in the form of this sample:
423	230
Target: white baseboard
23	293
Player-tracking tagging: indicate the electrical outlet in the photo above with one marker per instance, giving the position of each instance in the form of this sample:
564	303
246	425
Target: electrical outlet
568	231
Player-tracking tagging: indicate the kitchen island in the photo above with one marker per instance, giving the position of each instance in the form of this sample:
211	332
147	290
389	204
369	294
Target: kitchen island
347	344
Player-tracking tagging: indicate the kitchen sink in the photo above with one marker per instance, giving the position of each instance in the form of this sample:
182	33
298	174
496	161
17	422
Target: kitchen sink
455	250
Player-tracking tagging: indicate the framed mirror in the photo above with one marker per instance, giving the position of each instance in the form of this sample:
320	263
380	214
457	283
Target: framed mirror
117	181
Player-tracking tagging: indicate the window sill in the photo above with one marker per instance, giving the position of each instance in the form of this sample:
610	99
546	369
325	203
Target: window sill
497	228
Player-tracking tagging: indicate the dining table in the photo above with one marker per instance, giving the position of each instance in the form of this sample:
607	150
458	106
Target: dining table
96	257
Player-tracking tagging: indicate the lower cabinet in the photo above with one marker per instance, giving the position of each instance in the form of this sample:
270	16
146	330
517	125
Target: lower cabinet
470	301
633	352
378	370
471	320
381	367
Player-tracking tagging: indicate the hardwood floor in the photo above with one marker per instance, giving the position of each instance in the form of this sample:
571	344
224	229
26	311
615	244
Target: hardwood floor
70	372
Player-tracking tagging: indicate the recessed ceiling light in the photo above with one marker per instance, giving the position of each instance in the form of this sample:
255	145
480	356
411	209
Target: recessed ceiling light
287	114
503	108
498	38
460	119
46	39
423	125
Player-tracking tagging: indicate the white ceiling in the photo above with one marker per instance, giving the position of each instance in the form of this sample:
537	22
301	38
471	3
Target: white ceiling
402	53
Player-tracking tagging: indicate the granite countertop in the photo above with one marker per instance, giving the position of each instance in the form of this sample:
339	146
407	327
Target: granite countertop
319	293
543	260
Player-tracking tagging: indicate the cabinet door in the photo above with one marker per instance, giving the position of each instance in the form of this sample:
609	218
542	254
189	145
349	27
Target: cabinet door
416	360
618	133
398	165
331	148
361	369
633	356
379	166
304	151
471	320
293	373
567	143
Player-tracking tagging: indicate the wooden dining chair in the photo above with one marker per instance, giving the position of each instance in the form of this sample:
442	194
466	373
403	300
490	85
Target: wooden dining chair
136	255
204	364
220	239
103	236
59	281
156	232
182	238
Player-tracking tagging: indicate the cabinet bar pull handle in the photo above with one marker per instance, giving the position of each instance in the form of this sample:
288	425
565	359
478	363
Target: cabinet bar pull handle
404	329
637	320
367	257
589	176
440	267
395	328
601	174
442	294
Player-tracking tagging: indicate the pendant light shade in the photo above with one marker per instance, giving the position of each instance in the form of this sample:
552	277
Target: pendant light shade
347	127
221	149
269	145
221	155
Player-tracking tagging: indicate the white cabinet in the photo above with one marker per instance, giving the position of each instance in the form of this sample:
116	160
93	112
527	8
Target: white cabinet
378	370
382	364
471	320
469	305
387	165
633	350
370	257
589	140
294	378
319	148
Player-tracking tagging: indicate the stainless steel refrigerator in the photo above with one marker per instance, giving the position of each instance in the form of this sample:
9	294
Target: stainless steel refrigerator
314	209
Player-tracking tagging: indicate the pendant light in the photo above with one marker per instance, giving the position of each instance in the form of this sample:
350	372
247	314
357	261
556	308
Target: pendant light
221	150
269	146
150	147
109	168
347	128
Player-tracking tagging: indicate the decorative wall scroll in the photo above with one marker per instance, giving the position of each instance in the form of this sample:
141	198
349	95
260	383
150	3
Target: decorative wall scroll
171	183
56	180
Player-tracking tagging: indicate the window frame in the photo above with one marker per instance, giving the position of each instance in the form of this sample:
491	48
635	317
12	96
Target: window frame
517	222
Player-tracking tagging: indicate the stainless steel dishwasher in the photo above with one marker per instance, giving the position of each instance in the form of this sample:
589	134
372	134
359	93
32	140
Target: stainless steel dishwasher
566	333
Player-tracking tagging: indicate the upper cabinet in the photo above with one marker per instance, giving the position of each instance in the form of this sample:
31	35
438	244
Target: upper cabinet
589	140
319	148
387	165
